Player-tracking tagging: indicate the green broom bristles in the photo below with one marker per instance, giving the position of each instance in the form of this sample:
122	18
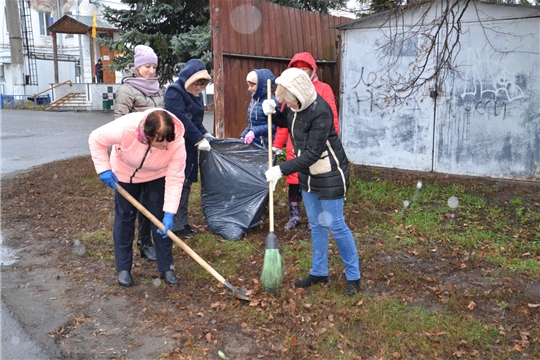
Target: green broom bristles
272	275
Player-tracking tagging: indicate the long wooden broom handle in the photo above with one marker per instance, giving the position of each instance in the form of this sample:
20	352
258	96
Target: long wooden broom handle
270	162
175	238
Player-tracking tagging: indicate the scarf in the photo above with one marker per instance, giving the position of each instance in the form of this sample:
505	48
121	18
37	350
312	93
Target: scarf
141	137
147	86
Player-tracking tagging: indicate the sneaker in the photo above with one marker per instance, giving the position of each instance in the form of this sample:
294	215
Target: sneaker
311	280
184	233
187	232
352	287
190	229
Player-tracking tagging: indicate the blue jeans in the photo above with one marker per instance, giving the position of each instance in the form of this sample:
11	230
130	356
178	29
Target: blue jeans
325	215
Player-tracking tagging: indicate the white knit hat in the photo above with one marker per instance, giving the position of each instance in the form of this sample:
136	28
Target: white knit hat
252	77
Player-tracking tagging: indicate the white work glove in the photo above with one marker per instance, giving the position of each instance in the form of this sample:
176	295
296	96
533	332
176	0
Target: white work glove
277	151
273	175
204	145
269	107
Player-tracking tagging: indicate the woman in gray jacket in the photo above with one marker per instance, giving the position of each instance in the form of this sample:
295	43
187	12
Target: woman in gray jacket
140	90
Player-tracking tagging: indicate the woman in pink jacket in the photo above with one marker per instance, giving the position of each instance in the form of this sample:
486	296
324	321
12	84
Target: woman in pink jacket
305	62
148	155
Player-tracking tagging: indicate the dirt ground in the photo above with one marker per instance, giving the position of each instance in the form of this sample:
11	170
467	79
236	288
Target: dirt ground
71	304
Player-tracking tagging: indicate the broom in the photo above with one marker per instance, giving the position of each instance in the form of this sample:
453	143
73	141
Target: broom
272	275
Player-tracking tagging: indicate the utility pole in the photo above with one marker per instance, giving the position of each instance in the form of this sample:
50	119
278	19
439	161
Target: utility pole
15	45
80	47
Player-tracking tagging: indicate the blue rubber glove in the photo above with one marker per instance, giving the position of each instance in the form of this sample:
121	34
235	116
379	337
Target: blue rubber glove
168	223
109	179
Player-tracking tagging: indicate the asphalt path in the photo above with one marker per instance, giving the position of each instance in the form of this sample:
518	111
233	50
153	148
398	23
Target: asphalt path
28	139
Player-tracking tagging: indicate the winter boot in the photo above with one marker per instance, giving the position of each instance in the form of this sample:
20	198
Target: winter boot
352	287
311	280
294	217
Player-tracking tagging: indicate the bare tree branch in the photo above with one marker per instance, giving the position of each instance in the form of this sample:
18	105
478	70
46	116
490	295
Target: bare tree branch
431	33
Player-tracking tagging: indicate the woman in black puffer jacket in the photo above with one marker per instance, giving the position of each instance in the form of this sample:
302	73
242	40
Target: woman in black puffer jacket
323	172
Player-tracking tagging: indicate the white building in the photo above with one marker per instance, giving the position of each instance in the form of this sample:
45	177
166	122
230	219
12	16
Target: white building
76	50
482	119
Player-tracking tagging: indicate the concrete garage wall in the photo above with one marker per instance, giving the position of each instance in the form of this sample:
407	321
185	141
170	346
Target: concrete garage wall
485	120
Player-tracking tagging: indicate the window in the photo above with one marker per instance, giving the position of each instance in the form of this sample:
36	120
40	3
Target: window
44	18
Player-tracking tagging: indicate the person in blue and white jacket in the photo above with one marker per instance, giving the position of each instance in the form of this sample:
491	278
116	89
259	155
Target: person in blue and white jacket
257	128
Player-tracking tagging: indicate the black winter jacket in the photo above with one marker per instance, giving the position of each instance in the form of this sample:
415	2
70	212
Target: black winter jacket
321	162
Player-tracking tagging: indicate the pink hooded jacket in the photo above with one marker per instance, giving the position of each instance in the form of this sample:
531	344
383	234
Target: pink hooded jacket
128	152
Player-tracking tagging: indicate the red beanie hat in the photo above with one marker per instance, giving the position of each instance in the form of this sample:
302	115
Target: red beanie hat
302	64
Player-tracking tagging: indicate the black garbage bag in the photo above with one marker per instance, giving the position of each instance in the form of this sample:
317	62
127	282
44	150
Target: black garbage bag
234	190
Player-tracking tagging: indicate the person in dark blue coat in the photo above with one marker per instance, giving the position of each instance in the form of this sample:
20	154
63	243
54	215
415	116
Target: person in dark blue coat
183	99
257	128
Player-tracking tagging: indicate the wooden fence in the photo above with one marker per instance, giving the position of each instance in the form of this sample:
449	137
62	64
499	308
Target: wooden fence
254	34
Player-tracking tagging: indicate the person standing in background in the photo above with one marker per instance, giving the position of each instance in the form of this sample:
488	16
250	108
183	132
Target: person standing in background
140	90
305	62
257	127
99	71
182	98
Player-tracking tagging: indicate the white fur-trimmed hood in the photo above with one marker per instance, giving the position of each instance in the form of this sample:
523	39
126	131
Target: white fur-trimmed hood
300	85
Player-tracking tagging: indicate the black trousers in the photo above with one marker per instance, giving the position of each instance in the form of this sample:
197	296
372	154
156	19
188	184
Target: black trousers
124	224
144	236
182	219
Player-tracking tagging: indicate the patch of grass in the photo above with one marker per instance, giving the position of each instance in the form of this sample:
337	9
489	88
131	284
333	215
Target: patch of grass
403	330
99	244
531	266
429	217
223	256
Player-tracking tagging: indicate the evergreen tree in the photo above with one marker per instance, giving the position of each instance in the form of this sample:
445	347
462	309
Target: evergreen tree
177	30
322	6
155	23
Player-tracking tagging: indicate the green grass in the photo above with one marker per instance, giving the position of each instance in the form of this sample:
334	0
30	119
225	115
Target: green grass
99	244
469	226
407	330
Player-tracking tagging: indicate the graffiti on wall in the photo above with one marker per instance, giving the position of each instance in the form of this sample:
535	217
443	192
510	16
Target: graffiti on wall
489	86
369	90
